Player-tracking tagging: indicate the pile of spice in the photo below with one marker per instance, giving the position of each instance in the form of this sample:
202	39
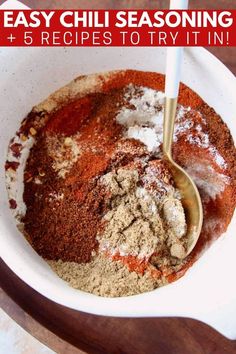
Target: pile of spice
90	190
141	220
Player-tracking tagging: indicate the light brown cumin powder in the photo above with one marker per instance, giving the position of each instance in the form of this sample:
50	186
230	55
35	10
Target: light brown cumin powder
135	226
104	276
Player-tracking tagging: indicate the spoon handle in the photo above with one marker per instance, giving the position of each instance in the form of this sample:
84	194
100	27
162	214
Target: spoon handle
173	63
173	66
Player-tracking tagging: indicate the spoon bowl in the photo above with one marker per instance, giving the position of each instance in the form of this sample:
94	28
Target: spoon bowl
190	197
191	202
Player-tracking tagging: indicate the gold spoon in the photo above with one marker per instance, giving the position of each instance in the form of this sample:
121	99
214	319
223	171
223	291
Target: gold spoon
190	197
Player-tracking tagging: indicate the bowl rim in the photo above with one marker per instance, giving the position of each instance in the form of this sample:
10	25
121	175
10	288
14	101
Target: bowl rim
132	306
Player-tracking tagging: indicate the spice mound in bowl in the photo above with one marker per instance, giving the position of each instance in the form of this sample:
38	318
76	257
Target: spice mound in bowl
92	195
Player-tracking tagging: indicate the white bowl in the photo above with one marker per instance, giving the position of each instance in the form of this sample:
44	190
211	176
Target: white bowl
28	75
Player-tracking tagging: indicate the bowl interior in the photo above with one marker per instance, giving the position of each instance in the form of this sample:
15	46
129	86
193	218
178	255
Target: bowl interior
30	75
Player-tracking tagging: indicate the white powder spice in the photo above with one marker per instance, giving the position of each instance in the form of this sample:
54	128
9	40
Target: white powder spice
174	216
64	152
210	183
145	134
144	122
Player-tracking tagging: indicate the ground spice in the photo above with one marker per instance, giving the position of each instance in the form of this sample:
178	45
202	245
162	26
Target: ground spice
16	149
139	223
132	226
64	152
13	204
104	277
75	116
79	205
11	165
